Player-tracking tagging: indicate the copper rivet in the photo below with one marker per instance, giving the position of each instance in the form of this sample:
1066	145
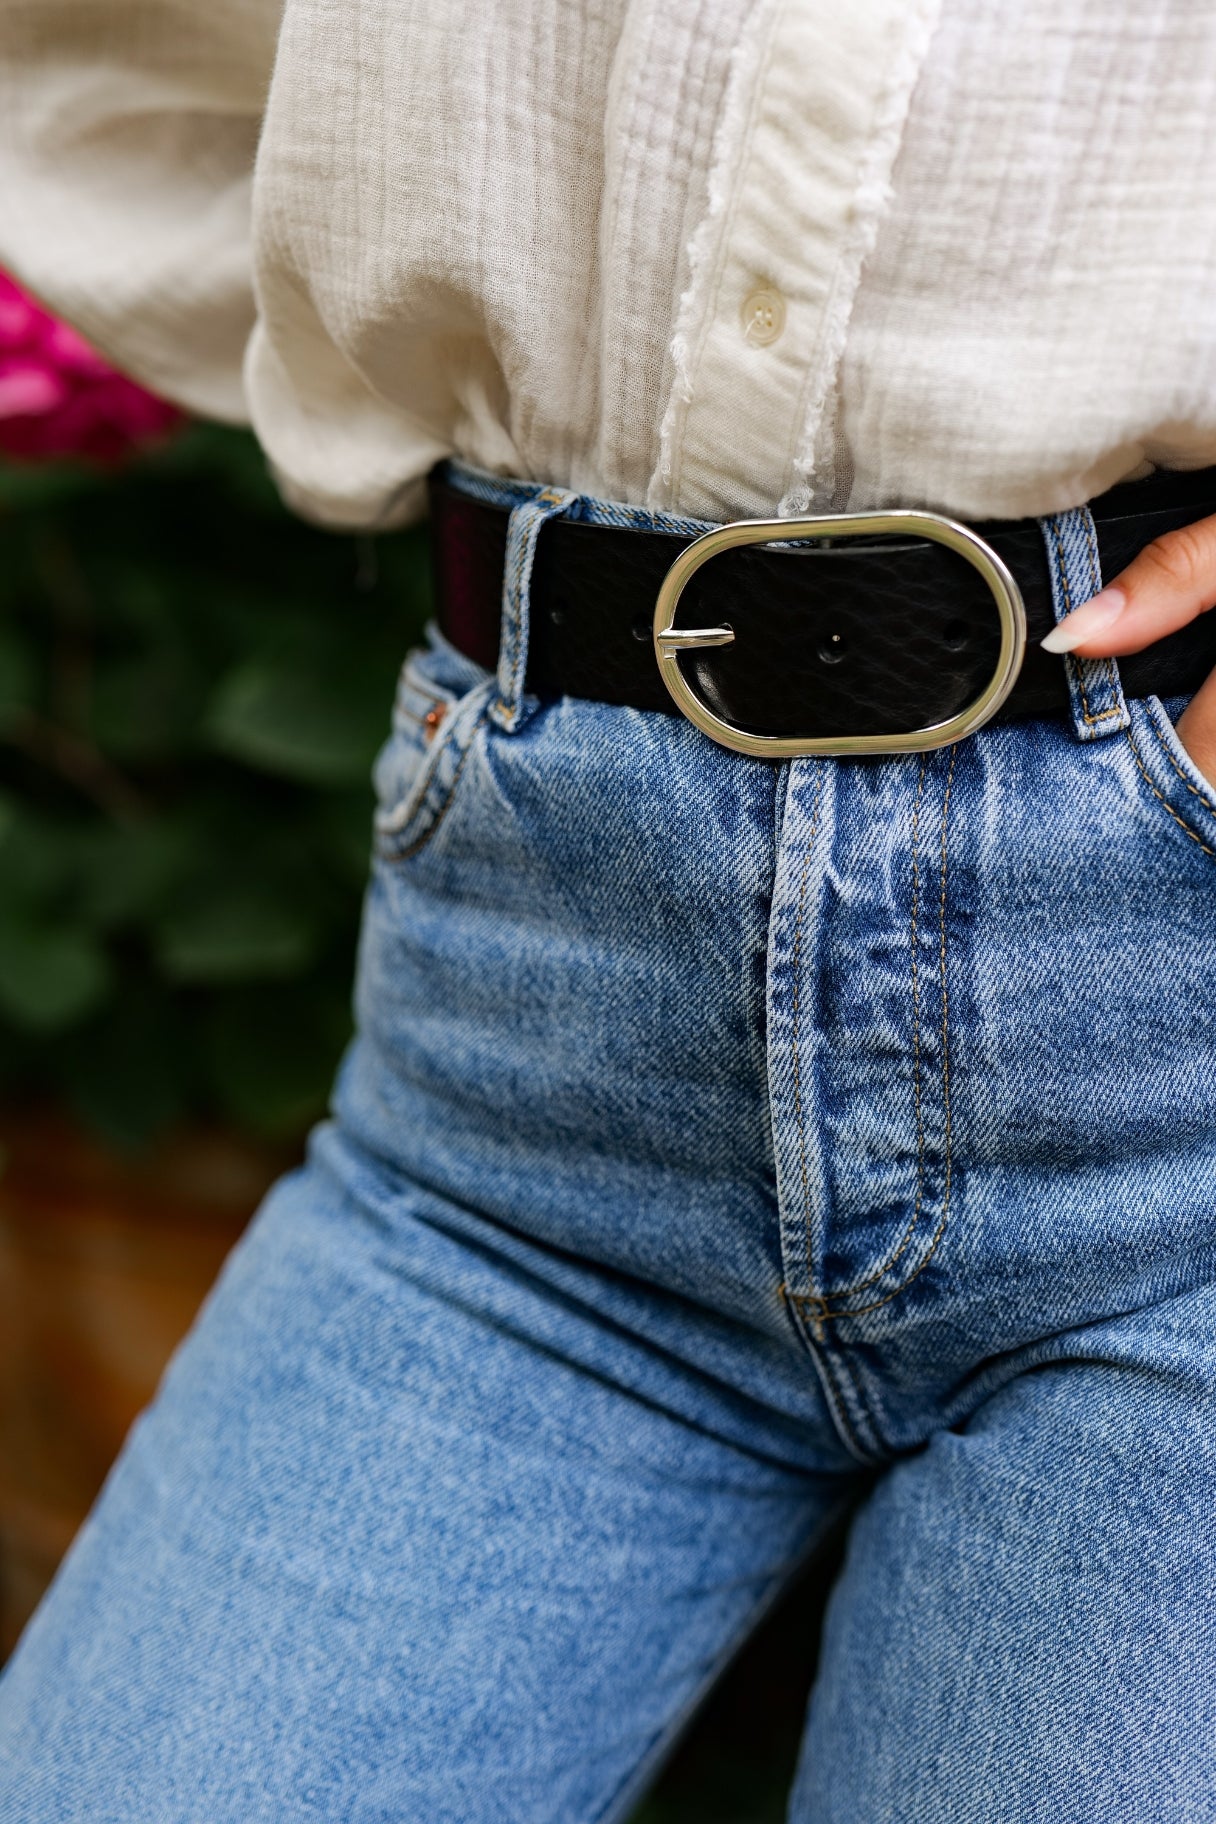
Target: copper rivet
433	718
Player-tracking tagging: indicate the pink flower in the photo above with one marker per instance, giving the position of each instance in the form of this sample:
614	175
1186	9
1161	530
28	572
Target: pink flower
58	397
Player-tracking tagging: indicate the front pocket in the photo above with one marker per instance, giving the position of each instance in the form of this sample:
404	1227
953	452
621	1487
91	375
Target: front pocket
442	699
1169	776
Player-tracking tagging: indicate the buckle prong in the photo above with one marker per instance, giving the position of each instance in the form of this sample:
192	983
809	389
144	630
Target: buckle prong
670	640
692	639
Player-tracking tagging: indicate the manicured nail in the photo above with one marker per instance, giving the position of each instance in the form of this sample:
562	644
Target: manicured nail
1086	622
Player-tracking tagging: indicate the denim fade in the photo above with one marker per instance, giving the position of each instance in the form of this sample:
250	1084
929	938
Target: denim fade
724	1146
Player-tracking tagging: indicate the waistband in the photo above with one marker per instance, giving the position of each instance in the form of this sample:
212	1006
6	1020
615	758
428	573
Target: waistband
875	633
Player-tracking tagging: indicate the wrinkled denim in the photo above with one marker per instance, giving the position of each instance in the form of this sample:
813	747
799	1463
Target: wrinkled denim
723	1146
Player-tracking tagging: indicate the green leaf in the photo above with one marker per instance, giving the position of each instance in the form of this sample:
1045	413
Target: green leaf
40	856
272	1056
238	667
234	933
303	722
46	484
50	977
129	870
145	705
18	675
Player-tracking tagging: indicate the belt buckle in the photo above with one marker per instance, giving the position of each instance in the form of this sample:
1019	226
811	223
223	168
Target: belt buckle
670	640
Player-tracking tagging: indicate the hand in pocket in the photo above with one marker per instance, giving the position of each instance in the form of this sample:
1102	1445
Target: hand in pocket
1171	582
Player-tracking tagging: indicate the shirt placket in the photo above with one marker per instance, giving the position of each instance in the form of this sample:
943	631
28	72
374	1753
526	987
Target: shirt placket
801	174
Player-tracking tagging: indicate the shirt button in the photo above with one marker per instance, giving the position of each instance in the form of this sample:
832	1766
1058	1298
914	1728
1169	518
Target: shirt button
763	316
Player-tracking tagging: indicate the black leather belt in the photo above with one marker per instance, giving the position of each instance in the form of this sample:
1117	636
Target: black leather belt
861	639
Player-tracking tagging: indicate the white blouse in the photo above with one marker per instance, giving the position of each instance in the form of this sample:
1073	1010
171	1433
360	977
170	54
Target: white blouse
717	255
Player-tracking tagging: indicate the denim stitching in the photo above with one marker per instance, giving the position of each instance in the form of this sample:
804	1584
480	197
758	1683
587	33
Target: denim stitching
829	1368
1091	541
946	1093
585	509
1095	583
856	1379
1204	798
419	682
520	577
1160	796
509	709
824	1315
530	501
1078	666
394	854
802	1159
840	1411
1095	580
873	1278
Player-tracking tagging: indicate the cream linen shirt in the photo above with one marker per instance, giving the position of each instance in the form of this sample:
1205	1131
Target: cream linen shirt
718	255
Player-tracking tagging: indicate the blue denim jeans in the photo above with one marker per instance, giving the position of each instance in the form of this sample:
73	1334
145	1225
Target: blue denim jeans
723	1146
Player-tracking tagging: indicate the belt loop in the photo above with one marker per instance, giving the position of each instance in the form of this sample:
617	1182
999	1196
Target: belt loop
1098	707
523	530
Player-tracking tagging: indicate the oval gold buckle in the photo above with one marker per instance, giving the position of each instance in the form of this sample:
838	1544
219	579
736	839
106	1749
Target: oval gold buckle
670	640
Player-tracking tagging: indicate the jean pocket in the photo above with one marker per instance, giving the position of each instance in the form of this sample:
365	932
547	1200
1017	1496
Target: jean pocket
441	703
1170	778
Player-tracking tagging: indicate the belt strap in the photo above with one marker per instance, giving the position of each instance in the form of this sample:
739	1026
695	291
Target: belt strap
859	638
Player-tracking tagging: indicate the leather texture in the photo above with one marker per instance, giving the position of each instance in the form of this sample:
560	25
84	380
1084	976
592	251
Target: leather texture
856	638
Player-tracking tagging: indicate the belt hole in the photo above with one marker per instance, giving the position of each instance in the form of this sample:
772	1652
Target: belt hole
954	635
643	627
833	649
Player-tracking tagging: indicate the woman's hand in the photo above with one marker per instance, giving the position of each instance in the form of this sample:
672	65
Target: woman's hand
1171	582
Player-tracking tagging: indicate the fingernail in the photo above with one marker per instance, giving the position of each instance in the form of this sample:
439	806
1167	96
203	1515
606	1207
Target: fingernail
1084	623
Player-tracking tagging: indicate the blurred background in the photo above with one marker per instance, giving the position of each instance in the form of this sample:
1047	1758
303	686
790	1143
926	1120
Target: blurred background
193	686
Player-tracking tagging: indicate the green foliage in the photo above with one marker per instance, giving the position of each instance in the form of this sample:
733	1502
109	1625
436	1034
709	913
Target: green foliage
193	686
